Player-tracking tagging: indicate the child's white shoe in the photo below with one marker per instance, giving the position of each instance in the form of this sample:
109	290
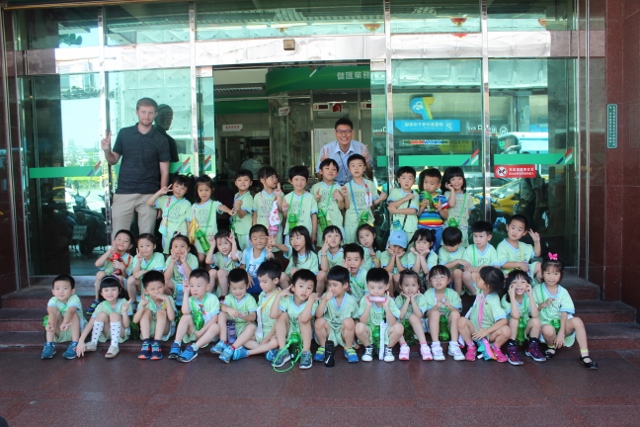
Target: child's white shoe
425	352
438	355
454	350
404	352
388	355
368	354
90	346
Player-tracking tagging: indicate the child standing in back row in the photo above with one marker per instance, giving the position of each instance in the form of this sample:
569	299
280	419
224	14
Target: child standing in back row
403	202
242	219
433	205
175	210
263	201
300	207
454	187
329	198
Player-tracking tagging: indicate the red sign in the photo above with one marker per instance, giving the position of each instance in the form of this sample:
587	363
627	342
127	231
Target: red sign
515	171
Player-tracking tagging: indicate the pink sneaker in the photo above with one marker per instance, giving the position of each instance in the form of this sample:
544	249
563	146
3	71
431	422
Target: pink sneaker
404	352
500	357
471	353
425	352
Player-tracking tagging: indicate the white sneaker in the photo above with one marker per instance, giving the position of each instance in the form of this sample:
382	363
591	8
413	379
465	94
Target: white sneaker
90	346
404	352
454	350
425	352
438	355
388	355
368	354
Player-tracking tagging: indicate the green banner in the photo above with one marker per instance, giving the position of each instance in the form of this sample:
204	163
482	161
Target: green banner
62	172
534	159
438	160
317	77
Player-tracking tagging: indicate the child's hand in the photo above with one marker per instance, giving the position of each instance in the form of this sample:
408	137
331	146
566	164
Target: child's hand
143	302
512	292
211	238
447	304
233	211
80	349
65	325
285	206
234	313
559	341
535	236
125	308
480	334
325	248
278	190
424	204
528	289
328	295
337	195
448	186
183	258
465	264
391	252
313	297
49	327
548	302
286	291
437	306
524	267
165	190
368	301
383	196
414	251
400	253
317	196
385	304
138	256
344	192
174	257
118	265
237	205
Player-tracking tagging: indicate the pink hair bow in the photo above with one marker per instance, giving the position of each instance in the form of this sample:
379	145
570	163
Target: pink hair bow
553	257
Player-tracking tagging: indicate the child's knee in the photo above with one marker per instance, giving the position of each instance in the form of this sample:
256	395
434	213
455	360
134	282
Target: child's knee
222	274
348	323
548	330
462	322
454	316
160	314
505	330
361	329
397	328
115	317
102	317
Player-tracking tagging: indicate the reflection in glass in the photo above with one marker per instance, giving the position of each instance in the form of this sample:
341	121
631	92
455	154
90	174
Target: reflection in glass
531	15
440	16
156	22
56	28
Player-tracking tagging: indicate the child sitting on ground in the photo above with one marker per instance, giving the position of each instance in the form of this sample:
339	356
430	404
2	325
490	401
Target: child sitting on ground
64	318
178	267
331	254
354	262
450	255
412	305
300	253
226	259
145	260
479	254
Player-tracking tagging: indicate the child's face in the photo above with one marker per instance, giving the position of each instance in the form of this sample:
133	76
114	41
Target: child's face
352	261
439	281
243	183
431	184
297	242
366	238
450	248
204	192
396	249
258	240
270	182
519	285
406	180
123	243
456	182
179	190
238	289
110	294
357	168
224	245
480	285
410	286
551	276
62	290
329	172
298	182
267	284
516	229
155	289
333	239
422	245
377	289
481	239
145	248
179	247
198	287
302	289
337	289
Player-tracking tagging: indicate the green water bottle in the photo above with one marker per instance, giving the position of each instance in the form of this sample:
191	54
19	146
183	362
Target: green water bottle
522	326
198	319
375	336
444	334
322	219
295	344
292	220
364	218
427	196
202	238
556	324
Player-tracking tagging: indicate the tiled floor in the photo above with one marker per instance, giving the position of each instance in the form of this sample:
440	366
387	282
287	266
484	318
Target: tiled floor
126	391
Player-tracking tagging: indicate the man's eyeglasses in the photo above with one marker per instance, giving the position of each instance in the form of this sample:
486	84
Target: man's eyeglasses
344	132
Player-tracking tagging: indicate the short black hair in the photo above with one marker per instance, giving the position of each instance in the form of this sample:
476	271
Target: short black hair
513	275
439	269
343	121
185	180
451	236
221	234
329	161
199	273
271	269
299	171
431	173
152	276
147	236
405	169
306	275
423	234
127	232
257	229
339	274
244	172
64	278
238	275
378	275
354	157
267	171
521	218
353	248
204	180
452	172
110	282
480	226
332	229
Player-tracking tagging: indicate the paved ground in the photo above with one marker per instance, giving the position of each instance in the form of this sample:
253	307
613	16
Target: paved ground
127	392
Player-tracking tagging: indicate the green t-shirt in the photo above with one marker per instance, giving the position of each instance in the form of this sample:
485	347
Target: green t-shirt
480	259
562	302
127	259
226	263
358	284
377	314
105	307
422	304
73	301
243	225
507	253
409	223
287	305
304	207
245	306
452	296
156	263
265	322
445	257
203	310
493	310
333	212
335	314
368	260
177	277
174	217
361	199
524	307
153	307
461	211
336	259
309	261
407	260
262	206
206	216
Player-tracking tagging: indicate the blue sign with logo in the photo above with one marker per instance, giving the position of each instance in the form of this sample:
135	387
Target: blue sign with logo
423	126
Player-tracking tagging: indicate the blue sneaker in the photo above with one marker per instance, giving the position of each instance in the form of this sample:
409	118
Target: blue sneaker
70	352
93	306
305	360
48	351
218	348
145	351
188	354
240	353
319	356
351	355
271	355
175	351
282	357
227	354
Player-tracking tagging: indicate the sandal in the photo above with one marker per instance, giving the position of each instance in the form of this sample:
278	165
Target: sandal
589	365
549	353
112	352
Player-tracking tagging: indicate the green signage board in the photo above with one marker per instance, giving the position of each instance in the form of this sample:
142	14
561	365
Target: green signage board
317	77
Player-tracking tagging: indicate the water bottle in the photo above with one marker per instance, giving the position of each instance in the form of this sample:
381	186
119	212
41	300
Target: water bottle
375	336
231	331
364	218
295	344
329	356
198	320
556	324
322	219
116	257
292	220
444	334
522	327
202	239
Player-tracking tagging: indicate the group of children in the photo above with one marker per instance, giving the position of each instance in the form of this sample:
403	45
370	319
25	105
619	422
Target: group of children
347	293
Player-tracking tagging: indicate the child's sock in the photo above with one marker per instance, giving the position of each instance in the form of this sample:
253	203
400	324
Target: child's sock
116	327
195	346
97	330
423	343
584	352
435	344
404	344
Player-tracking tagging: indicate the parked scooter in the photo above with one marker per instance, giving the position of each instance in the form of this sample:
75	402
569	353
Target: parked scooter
91	228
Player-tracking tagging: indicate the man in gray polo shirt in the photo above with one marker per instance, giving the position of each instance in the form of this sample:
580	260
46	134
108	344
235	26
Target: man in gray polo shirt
143	150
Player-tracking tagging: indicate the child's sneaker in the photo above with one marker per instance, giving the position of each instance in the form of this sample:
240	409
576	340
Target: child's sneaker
319	356
425	352
512	355
48	351
368	354
438	354
404	352
175	351
218	348
271	355
188	354
92	307
90	347
500	357
156	350
227	354
454	351
533	351
240	353
282	357
471	353
70	352
305	360
351	355
145	351
388	355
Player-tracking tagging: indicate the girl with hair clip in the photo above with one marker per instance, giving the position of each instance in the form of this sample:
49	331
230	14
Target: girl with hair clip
454	188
